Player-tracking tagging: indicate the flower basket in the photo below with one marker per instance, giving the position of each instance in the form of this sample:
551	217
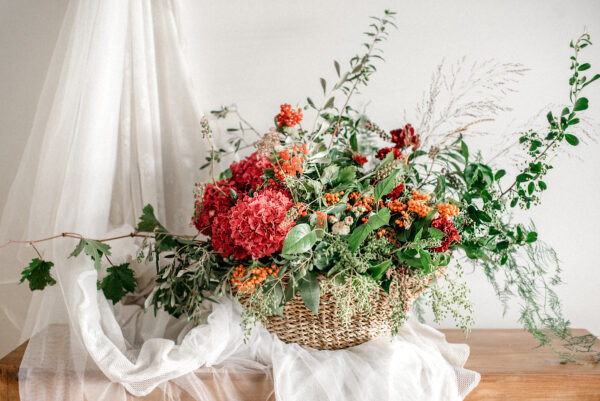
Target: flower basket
327	332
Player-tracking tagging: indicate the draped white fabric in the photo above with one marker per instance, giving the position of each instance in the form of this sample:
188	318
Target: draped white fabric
116	128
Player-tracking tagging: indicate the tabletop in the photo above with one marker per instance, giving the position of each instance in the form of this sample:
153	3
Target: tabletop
511	368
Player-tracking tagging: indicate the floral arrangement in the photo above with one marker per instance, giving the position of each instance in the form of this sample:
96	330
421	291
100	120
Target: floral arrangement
346	208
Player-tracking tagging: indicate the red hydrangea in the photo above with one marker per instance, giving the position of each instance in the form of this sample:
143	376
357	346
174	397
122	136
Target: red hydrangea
221	238
360	159
451	234
384	151
396	192
405	137
215	200
247	174
258	223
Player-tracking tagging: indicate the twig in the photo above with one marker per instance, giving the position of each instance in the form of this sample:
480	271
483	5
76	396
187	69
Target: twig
356	82
248	125
36	250
463	129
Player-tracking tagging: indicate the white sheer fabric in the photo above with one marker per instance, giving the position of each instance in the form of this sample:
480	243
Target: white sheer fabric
116	128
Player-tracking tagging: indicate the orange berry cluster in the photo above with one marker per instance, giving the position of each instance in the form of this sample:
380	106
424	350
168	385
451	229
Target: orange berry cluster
418	196
257	276
419	208
333	198
321	218
292	164
366	201
447	210
396	206
301	208
288	117
389	234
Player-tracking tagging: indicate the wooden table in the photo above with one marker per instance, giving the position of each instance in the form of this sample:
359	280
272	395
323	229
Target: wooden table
510	370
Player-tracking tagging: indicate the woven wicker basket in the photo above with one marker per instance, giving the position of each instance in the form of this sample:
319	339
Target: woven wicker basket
299	325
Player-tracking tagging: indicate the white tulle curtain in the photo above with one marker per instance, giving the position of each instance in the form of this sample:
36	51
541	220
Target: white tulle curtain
116	128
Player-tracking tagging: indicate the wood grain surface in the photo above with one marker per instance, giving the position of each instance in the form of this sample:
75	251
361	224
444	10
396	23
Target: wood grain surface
510	366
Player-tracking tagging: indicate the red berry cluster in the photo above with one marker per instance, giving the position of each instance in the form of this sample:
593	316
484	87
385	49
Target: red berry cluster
287	117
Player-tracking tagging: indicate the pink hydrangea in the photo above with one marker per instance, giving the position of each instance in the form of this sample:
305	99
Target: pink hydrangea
258	223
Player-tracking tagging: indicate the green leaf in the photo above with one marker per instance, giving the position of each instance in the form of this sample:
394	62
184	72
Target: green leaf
435	233
347	174
330	174
483	216
337	208
354	143
233	194
502	245
361	232
440	186
531	237
572	139
531	188
38	274
329	103
323	85
385	186
337	68
524	177
310	291
379	270
119	282
94	249
499	174
542	185
426	261
581	104
514	202
583	67
148	221
299	240
464	150
590	81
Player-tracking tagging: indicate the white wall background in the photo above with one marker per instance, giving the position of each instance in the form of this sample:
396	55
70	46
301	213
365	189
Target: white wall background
261	54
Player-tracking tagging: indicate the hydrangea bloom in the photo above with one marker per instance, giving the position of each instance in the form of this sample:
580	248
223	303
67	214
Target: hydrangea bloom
258	223
247	174
221	238
215	200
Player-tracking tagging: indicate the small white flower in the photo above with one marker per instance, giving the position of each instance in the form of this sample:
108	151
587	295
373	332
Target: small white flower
332	219
340	228
349	220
